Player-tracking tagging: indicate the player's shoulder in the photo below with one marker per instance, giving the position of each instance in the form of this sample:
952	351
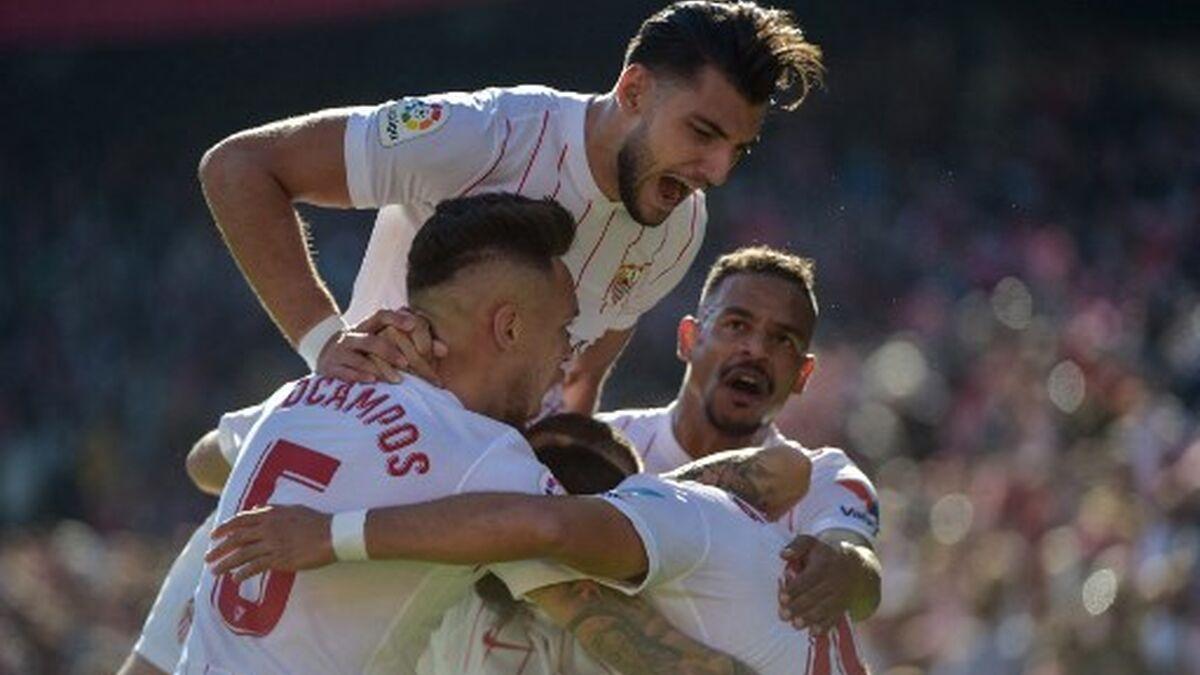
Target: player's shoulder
654	487
630	419
513	103
833	468
718	507
527	100
443	411
828	459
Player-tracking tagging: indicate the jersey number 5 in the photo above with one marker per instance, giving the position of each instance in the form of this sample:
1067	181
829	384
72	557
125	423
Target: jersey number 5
282	459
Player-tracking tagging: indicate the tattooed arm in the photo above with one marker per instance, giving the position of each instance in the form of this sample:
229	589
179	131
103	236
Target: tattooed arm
770	479
627	634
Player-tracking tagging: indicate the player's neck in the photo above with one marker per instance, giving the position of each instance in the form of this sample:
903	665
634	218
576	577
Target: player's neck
698	437
603	131
475	386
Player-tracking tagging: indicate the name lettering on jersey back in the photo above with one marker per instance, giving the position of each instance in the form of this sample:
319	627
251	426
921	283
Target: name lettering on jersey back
371	409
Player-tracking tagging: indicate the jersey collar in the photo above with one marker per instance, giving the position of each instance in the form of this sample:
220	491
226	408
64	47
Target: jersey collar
666	431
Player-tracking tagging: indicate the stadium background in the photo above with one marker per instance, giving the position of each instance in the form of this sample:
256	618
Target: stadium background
1003	200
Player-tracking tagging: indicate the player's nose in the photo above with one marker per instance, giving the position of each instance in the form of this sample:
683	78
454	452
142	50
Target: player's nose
754	344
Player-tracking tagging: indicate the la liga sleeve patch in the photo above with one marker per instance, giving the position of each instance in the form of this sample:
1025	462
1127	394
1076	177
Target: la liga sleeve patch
409	118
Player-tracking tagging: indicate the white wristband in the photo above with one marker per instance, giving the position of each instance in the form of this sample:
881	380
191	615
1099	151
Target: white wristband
347	534
314	340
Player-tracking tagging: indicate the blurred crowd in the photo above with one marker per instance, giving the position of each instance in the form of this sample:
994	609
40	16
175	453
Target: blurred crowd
1007	233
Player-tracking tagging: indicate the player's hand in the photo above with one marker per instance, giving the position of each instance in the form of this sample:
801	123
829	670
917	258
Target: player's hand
817	586
382	347
288	538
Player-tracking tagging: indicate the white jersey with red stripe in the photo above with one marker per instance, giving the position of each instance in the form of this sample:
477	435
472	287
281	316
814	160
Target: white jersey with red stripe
407	155
336	446
840	496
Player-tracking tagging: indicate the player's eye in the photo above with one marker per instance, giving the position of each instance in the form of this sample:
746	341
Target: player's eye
703	134
788	340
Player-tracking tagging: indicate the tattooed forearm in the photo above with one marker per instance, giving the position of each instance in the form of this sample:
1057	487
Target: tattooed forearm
737	472
771	479
627	633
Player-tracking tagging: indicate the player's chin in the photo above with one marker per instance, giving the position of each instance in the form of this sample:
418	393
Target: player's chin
737	420
650	211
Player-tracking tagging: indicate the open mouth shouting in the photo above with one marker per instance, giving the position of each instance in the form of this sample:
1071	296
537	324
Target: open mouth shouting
747	384
673	189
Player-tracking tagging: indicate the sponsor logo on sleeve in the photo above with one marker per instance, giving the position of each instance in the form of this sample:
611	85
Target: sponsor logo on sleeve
409	118
625	493
869	513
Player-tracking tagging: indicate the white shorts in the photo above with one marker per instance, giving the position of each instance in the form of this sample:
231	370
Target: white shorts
166	629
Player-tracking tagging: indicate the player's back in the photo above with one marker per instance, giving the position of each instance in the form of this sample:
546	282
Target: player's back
724	565
334	446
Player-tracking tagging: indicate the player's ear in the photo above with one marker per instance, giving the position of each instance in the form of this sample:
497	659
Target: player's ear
685	337
633	88
806	370
506	326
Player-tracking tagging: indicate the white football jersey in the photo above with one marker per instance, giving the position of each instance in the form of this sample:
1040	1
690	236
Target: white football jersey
170	618
712	563
409	154
336	446
840	496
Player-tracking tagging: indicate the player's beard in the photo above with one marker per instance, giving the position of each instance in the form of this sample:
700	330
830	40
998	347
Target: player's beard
633	162
729	427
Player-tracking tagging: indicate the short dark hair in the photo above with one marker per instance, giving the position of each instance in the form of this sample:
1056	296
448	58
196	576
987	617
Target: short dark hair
761	50
585	455
465	231
763	260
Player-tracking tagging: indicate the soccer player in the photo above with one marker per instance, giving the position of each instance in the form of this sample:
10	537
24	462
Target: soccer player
710	560
746	351
485	272
630	165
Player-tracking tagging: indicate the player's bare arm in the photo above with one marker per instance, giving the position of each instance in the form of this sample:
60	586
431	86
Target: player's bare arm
626	633
206	466
831	574
770	479
586	534
251	181
582	385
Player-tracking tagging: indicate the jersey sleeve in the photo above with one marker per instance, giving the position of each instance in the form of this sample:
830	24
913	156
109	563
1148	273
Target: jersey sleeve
678	259
421	149
233	429
509	465
671	526
840	496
